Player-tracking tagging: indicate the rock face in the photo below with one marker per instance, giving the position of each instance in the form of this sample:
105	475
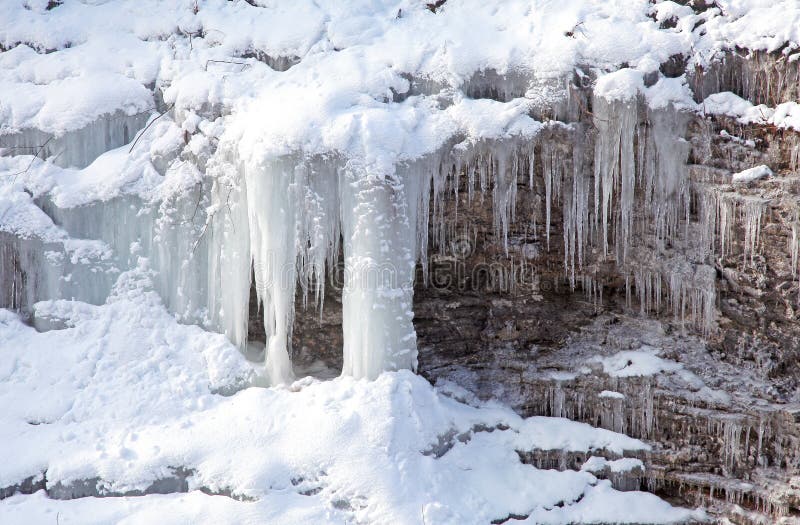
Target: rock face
696	354
614	272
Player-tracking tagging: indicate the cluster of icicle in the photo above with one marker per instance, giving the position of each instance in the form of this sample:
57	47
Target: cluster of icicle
297	209
282	224
286	221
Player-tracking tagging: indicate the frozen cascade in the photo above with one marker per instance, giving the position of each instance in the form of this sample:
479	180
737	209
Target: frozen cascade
76	148
281	220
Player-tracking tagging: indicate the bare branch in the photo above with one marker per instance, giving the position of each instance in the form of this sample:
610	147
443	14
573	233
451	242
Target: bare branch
245	64
141	133
36	156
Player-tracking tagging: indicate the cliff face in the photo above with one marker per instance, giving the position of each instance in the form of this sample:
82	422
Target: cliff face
600	227
717	299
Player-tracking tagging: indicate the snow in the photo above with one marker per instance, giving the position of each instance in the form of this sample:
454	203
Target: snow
634	507
275	130
610	394
752	174
597	464
785	115
131	395
642	362
623	84
671	92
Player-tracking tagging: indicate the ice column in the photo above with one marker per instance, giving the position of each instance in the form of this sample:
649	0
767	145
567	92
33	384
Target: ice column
379	220
227	239
272	203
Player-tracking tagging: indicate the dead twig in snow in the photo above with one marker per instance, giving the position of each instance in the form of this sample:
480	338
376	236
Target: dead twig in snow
141	133
35	156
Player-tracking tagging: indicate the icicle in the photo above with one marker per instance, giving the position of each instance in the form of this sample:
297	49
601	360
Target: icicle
794	248
272	205
319	226
615	168
752	211
553	173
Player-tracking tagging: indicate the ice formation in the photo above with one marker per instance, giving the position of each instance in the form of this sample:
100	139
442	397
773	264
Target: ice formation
171	164
282	221
255	166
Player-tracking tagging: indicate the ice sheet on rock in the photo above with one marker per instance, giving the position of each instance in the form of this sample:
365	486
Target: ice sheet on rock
131	210
120	171
39	260
610	394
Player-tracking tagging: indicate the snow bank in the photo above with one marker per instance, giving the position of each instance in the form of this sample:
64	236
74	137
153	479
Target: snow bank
785	115
132	395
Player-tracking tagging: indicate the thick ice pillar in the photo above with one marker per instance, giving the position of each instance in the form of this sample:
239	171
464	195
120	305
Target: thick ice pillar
379	220
272	202
228	245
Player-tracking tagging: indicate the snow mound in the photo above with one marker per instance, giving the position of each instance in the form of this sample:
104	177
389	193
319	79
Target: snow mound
642	362
785	115
121	396
752	174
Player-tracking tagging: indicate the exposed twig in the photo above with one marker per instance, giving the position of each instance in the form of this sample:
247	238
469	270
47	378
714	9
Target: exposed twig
36	156
245	64
199	198
210	218
141	133
433	6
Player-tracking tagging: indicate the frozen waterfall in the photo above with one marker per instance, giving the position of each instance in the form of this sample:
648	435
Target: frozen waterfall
280	225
